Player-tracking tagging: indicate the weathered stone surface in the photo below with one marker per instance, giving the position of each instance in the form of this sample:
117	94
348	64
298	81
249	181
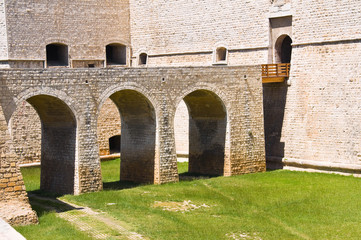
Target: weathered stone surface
109	125
68	102
14	205
313	120
85	26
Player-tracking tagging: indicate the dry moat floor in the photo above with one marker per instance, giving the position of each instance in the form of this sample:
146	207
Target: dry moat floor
271	205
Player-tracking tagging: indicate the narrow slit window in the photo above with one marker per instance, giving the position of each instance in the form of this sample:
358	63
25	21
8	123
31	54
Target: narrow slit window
221	54
143	57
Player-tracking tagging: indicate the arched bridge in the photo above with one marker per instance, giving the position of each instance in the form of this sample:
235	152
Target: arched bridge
225	123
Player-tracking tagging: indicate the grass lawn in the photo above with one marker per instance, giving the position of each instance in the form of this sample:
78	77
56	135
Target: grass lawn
271	205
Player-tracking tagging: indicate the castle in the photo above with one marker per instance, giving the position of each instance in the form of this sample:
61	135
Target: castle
305	115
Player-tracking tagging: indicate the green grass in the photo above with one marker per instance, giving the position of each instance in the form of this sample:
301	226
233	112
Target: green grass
271	205
51	227
111	170
31	177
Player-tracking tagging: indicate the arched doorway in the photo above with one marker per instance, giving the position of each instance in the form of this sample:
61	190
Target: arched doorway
138	134
207	132
108	128
283	48
58	144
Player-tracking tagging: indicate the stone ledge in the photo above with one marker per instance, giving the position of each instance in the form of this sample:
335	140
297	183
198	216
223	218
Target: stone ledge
327	167
9	233
110	157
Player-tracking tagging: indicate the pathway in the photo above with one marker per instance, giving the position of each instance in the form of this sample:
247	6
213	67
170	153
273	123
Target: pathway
98	225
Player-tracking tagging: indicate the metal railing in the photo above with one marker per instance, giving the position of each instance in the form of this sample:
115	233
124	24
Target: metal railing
275	70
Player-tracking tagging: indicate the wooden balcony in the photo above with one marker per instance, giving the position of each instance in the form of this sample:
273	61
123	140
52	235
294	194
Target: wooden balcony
275	72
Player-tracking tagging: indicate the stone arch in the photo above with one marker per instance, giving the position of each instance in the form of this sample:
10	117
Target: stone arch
58	140
283	49
139	135
62	96
130	86
208	132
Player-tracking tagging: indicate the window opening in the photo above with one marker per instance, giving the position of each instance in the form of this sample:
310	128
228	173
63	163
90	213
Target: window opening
143	57
114	144
116	54
221	54
57	55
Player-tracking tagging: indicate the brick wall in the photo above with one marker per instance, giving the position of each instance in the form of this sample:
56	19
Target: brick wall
67	101
317	21
25	131
14	205
322	110
163	88
85	26
3	32
196	27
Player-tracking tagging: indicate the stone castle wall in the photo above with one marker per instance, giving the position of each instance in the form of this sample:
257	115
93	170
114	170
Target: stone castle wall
164	87
312	122
322	111
186	33
175	33
3	32
319	21
85	26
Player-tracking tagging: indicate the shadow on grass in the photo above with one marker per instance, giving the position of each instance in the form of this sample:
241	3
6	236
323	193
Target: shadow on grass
120	185
187	176
45	202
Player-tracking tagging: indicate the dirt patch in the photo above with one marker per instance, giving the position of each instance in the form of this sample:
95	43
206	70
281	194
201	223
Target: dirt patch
243	236
184	206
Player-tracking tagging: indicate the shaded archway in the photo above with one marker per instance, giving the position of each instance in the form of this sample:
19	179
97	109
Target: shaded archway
138	128
108	126
283	48
207	132
58	144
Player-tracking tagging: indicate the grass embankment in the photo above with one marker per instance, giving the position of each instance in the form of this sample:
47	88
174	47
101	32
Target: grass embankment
272	205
